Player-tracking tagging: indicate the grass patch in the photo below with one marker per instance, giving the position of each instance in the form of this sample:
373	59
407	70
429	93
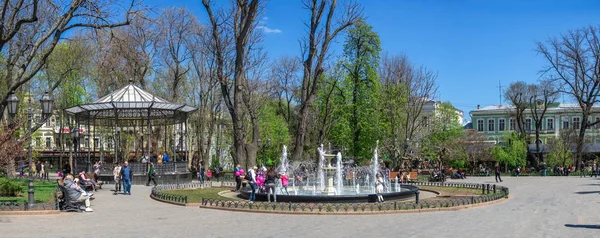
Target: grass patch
43	191
453	191
196	195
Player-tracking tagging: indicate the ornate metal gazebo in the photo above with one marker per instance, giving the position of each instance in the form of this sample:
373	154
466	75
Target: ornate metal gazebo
127	107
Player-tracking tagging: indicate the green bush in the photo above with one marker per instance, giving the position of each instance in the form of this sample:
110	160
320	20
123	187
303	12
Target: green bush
9	188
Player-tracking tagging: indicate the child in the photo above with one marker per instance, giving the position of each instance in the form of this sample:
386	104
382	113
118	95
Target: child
284	182
208	174
379	188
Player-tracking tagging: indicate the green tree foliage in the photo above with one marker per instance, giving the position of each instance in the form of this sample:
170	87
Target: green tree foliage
514	153
274	134
561	153
445	133
359	128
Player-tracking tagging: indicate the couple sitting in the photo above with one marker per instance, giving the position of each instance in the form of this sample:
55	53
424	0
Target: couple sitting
76	193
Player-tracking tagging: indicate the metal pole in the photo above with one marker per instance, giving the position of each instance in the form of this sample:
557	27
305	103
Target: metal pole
88	146
30	193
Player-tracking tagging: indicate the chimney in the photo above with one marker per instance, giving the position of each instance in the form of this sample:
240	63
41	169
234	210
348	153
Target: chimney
478	106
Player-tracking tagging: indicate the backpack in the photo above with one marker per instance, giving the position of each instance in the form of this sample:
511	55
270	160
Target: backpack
248	176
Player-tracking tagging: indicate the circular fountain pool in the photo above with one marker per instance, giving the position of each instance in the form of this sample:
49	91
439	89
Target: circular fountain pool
347	195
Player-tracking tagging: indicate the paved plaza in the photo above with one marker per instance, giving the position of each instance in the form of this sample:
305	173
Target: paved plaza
539	207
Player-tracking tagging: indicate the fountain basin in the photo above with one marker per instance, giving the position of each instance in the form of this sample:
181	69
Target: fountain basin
407	192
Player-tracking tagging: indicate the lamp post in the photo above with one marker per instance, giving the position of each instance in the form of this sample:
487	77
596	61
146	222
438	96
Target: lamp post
47	104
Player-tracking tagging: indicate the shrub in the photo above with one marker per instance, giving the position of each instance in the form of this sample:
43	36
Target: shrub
9	188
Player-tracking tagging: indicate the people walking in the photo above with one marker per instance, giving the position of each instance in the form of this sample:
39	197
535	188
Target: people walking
379	188
498	173
151	175
117	177
270	184
126	177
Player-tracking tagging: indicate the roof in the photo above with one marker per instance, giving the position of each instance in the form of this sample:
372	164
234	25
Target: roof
555	107
131	103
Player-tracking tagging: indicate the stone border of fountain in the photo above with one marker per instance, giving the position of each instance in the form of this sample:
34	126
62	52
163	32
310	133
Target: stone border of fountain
409	193
492	195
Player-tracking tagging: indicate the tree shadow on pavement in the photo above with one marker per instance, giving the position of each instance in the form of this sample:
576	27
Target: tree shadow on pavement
587	192
583	226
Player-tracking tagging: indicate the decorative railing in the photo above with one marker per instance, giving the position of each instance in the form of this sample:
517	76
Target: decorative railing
490	192
349	207
24	206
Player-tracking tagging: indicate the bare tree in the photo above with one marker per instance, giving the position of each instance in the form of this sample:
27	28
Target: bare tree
285	71
322	30
240	24
32	29
517	95
420	88
540	97
392	72
176	26
574	64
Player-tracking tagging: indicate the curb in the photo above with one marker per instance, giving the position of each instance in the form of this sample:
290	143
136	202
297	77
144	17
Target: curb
424	210
21	213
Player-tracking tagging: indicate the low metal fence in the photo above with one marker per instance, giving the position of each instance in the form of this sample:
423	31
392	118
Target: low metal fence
490	192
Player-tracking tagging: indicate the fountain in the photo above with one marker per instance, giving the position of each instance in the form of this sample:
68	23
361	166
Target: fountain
313	181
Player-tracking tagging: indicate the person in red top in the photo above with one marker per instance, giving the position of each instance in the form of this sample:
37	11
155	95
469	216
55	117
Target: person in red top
284	182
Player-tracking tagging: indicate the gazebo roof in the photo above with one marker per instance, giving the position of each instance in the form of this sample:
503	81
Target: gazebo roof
131	103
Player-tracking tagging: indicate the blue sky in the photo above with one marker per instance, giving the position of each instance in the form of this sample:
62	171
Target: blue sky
471	44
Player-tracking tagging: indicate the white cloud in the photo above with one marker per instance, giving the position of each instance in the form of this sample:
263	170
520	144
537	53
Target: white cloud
262	24
268	30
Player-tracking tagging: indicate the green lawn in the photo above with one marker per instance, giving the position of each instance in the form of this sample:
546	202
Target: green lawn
43	191
196	195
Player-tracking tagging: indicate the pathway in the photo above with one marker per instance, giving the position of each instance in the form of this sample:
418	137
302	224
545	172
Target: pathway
539	207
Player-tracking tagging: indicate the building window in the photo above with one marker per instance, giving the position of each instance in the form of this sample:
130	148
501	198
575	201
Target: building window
501	124
48	142
38	142
425	121
512	124
576	123
491	123
597	122
565	124
479	125
528	124
550	124
96	143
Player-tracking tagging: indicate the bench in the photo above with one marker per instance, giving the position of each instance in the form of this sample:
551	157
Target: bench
66	204
413	176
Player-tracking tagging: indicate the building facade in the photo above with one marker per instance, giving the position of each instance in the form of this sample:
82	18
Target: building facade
495	121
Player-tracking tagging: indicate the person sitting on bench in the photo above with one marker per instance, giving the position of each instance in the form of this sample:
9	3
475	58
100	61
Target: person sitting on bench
87	181
76	193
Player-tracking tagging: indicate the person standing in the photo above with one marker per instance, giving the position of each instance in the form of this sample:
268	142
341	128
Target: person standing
36	169
238	178
251	177
594	170
126	177
270	184
498	172
379	188
151	175
201	173
284	183
42	170
117	177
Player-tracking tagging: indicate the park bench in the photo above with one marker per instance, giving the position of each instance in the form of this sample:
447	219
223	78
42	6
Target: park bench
66	204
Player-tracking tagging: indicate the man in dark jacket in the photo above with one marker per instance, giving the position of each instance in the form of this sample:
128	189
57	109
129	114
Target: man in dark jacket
126	177
498	172
151	174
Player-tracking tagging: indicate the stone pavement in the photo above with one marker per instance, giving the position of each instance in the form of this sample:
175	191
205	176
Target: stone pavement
539	207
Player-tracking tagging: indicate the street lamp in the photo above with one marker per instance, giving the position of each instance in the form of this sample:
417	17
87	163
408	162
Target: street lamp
47	104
